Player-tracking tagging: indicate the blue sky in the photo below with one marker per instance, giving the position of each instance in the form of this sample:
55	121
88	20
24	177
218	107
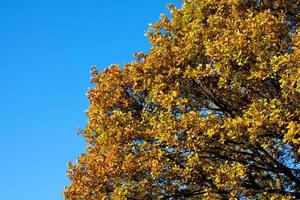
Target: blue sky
46	50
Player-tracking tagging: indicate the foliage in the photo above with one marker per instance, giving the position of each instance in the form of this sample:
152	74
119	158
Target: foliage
211	112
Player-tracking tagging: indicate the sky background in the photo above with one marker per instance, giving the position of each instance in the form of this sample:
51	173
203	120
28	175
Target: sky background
47	48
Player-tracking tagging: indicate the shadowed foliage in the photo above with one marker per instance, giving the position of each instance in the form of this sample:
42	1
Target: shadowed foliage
210	112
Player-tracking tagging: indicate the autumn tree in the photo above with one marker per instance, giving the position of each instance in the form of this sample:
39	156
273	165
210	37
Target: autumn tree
210	112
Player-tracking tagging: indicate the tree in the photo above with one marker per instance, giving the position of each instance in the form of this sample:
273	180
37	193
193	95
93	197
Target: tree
210	112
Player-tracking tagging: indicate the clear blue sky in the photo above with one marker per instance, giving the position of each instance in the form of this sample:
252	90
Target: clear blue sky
46	50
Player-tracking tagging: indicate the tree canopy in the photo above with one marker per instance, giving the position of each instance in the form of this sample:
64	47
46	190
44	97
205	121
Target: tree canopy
210	112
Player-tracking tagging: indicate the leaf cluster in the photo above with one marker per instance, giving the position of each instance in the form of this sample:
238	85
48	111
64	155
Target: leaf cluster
210	112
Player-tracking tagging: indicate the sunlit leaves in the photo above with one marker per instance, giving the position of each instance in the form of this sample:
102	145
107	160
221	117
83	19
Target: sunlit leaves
210	112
